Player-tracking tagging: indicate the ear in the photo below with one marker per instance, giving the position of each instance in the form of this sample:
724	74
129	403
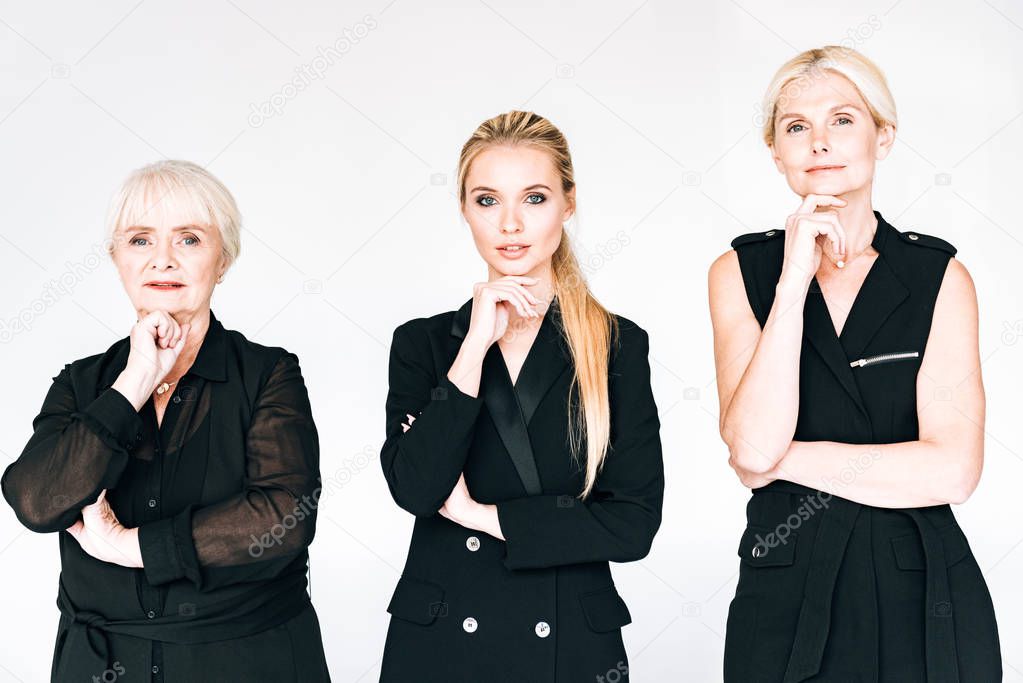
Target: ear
222	265
569	205
885	141
777	159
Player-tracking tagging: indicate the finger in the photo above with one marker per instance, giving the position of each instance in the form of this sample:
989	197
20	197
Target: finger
405	427
170	340
179	346
151	324
812	201
821	224
526	293
515	296
522	279
831	217
498	294
520	284
166	329
174	336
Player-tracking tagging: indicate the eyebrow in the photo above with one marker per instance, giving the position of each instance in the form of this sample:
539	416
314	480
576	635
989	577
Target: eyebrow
537	186
180	228
795	115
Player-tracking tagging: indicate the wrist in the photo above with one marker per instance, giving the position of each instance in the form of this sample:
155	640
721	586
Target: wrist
135	386
792	287
131	548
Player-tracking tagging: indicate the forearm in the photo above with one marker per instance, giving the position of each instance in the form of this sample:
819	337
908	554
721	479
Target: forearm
69	460
422	464
551	530
760	420
895	475
467	369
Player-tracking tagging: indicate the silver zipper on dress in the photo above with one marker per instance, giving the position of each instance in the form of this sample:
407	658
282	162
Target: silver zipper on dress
883	358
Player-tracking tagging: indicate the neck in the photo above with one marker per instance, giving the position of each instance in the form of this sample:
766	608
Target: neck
858	220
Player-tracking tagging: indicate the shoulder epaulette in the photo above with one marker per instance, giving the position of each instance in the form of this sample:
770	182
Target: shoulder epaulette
756	237
920	239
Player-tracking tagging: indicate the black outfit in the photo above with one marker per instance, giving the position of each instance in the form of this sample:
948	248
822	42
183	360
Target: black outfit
542	606
223	492
829	589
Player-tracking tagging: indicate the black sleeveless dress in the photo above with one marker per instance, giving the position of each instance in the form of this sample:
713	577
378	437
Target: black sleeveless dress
829	589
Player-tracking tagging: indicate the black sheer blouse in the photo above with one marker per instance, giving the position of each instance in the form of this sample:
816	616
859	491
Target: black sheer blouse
224	492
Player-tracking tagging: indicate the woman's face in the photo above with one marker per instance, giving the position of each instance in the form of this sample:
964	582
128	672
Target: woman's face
169	263
825	139
514	198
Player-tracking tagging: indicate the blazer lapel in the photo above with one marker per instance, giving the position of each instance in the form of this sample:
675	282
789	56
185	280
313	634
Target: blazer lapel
503	406
512	407
548	359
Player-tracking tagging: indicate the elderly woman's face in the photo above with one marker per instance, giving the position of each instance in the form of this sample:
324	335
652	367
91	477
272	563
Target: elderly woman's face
169	263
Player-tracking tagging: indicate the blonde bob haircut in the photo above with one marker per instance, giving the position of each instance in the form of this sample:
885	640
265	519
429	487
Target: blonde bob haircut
178	188
806	67
587	326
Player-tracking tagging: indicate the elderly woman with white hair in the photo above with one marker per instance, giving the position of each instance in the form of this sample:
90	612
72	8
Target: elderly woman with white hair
180	468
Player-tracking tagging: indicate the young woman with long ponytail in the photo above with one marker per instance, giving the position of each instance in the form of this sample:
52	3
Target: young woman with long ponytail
523	435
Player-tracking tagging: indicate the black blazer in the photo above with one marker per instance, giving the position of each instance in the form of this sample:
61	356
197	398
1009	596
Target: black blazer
541	606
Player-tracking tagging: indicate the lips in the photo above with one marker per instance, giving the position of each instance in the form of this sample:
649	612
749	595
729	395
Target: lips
824	168
164	285
513	251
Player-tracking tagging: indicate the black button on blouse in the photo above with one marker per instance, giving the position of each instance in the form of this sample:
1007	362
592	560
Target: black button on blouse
224	493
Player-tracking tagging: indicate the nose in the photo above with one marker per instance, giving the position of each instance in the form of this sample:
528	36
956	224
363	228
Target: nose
820	144
510	221
163	256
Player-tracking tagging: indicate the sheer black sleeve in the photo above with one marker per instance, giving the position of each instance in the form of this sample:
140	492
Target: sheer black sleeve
71	456
258	532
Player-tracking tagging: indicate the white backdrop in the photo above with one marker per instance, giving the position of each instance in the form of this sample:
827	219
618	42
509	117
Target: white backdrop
351	227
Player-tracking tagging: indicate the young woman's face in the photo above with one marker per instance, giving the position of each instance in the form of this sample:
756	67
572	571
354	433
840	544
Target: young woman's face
825	139
514	199
169	264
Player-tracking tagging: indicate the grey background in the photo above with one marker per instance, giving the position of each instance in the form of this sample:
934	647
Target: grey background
352	227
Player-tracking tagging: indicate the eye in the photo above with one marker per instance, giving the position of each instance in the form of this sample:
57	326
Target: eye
793	127
190	240
844	118
486	200
137	241
535	198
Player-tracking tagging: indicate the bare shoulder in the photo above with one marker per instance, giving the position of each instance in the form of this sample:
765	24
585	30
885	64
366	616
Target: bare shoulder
957	293
724	265
726	290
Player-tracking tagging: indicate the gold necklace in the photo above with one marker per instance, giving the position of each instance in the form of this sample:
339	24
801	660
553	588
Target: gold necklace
162	389
842	264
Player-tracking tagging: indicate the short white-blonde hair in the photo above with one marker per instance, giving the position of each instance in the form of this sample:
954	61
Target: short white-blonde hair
182	187
807	66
